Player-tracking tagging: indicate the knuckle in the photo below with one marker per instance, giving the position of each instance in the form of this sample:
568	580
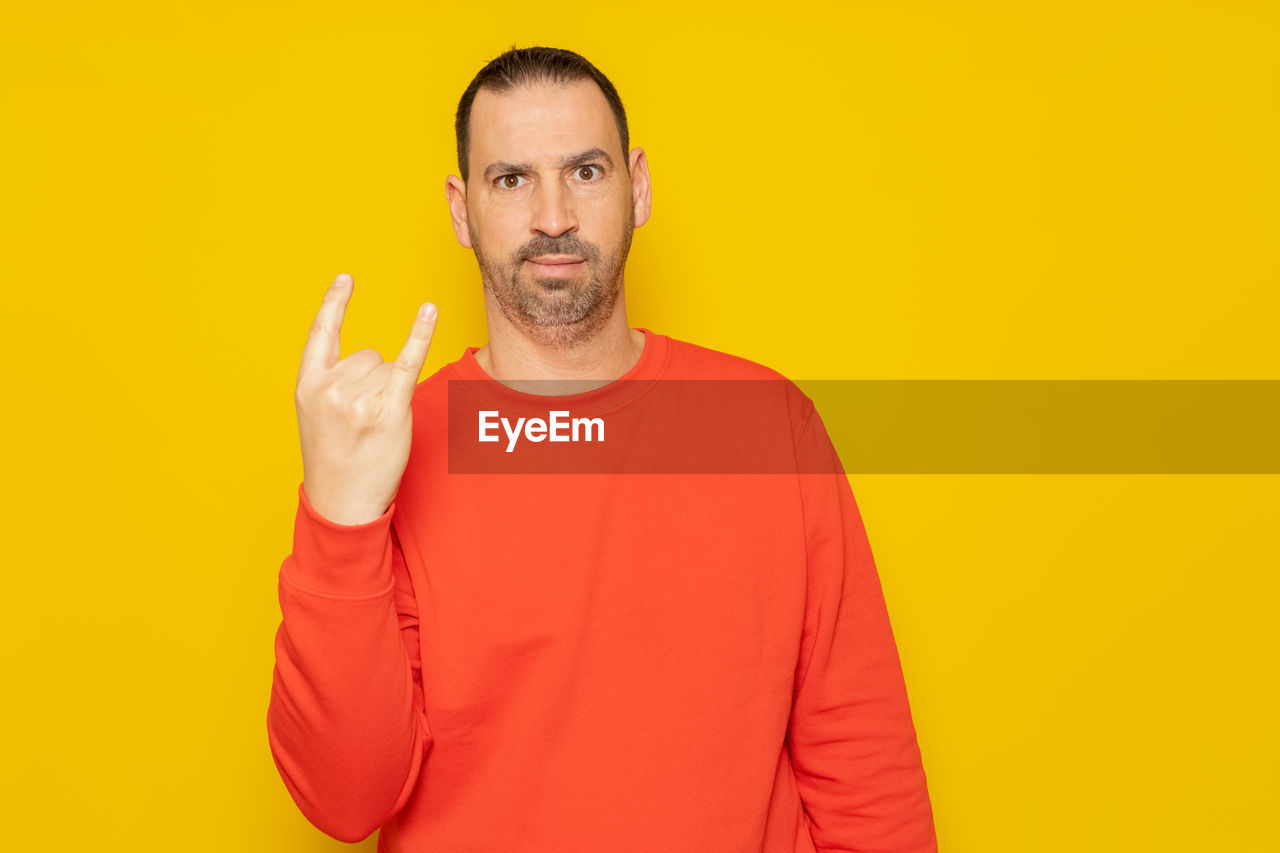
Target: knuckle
333	397
361	358
360	407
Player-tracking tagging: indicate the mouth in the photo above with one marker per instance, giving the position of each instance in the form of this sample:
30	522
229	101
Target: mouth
555	265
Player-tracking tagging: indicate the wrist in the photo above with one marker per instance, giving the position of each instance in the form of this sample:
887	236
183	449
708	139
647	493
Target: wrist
343	508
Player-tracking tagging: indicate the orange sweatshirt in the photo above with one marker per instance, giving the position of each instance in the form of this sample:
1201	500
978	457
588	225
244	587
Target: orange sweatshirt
650	662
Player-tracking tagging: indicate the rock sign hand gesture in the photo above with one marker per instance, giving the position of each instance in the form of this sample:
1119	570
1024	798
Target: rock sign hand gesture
355	418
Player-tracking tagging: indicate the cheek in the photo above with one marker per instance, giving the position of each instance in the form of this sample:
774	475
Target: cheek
498	229
608	212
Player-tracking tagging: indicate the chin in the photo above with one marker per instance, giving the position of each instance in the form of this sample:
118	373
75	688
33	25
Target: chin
552	283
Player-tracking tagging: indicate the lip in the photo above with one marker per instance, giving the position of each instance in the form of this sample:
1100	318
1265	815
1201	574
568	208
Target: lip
555	265
555	260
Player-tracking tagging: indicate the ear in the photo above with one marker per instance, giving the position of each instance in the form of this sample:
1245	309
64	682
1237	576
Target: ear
455	191
641	192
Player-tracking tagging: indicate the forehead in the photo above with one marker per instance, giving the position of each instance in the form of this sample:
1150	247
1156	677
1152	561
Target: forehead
540	121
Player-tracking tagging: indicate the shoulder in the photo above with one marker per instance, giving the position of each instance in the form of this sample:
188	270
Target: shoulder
691	361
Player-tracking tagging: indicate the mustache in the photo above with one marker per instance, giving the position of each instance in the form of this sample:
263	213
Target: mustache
565	244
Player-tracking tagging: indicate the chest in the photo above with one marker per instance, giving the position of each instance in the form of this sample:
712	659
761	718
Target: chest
698	581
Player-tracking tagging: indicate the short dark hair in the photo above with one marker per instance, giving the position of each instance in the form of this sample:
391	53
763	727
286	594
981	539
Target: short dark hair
528	65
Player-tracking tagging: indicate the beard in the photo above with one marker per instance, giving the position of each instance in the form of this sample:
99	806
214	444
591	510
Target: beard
560	313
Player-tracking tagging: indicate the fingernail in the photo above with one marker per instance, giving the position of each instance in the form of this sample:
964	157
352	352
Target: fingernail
427	311
343	278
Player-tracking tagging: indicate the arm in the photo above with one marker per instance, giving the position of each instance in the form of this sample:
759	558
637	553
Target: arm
852	741
345	722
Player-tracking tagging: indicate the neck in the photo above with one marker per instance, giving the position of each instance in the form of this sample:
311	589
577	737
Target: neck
527	362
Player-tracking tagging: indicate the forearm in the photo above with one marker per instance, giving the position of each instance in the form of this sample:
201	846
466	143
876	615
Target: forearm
853	742
345	727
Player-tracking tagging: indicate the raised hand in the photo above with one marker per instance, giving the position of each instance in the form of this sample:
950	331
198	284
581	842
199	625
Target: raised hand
355	418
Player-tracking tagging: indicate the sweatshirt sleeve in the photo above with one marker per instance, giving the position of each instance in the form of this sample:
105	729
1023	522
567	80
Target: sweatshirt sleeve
852	741
345	721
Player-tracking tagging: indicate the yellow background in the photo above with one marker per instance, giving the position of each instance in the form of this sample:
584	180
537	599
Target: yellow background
864	190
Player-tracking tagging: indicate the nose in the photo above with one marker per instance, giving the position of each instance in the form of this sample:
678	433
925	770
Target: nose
553	210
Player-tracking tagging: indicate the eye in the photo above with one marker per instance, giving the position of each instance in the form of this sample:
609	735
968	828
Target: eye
587	173
509	182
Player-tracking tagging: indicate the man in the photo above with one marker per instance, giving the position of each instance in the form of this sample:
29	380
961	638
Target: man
640	661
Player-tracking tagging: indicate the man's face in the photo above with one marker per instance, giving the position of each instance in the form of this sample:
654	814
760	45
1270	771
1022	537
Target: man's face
549	207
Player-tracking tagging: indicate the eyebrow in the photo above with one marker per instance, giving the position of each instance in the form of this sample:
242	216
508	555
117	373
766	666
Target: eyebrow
502	167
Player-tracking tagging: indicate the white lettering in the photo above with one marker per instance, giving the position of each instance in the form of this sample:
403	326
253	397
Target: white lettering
485	426
558	422
559	427
587	423
512	434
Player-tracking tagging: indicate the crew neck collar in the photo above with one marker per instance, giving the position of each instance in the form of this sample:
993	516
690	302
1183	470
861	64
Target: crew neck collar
650	367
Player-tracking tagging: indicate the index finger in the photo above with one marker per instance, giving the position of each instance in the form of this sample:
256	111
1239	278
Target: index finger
322	346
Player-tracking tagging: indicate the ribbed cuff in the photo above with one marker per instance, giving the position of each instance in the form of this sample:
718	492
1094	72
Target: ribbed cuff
339	560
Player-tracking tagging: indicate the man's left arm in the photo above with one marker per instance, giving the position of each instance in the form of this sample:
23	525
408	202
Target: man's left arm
851	737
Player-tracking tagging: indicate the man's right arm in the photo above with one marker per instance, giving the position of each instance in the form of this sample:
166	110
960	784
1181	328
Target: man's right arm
346	723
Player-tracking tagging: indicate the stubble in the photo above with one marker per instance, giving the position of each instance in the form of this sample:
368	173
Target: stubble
558	313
